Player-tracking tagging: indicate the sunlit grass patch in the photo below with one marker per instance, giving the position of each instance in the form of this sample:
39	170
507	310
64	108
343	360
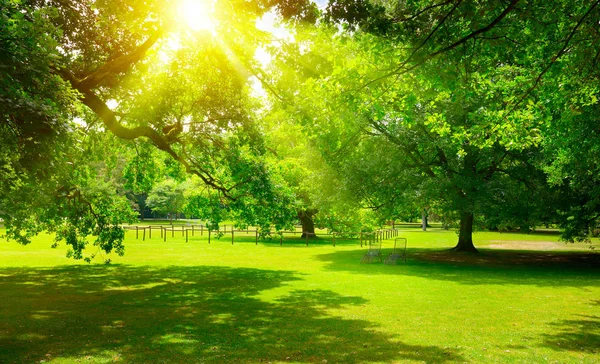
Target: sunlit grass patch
199	302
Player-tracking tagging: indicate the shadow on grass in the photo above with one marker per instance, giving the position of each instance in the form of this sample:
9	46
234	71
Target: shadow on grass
183	314
575	335
490	266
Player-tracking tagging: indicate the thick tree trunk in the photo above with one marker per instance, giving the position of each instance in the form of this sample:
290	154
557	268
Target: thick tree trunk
308	225
465	235
424	220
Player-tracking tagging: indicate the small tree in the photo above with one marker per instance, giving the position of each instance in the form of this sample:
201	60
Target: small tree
166	197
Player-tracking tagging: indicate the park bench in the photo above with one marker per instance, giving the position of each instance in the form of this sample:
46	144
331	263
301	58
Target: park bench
397	253
373	253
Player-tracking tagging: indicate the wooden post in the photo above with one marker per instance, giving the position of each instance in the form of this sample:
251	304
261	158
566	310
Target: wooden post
137	233
144	235
209	236
281	239
306	238
256	232
333	234
192	230
165	234
182	231
201	229
186	236
161	231
360	234
231	236
149	232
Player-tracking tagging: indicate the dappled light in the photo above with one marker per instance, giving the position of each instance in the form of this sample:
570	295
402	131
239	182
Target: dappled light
487	267
581	334
306	181
200	314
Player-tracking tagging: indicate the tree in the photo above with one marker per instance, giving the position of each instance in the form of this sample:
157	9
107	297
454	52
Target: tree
181	92
321	198
167	197
454	110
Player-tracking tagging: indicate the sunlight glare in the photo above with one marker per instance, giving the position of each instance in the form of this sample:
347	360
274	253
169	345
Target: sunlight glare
197	13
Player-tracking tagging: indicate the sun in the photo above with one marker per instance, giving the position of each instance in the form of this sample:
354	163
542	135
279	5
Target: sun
197	14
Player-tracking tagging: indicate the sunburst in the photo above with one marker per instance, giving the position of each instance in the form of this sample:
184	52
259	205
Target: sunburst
198	14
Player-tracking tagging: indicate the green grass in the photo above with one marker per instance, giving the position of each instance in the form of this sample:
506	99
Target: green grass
195	302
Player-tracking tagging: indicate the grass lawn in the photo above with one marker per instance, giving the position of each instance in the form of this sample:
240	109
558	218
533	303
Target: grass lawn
524	298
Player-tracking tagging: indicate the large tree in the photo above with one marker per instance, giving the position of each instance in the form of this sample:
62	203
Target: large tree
137	71
450	100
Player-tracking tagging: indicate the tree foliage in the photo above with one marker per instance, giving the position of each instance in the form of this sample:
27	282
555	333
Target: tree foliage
484	110
74	67
451	103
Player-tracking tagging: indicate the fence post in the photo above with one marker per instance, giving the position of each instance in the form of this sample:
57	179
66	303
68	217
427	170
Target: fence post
231	236
333	234
280	239
256	231
186	236
144	235
201	229
161	231
360	239
137	234
165	234
149	232
192	230
209	236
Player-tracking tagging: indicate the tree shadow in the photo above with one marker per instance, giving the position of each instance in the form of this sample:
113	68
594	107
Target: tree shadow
184	314
575	335
490	266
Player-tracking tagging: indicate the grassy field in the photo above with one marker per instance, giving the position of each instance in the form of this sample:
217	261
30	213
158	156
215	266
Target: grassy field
523	299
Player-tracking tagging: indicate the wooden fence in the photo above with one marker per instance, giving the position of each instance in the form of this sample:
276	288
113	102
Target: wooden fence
363	236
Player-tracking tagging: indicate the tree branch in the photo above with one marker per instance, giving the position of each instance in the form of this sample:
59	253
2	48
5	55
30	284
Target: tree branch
487	28
560	53
119	64
431	34
420	12
409	149
398	71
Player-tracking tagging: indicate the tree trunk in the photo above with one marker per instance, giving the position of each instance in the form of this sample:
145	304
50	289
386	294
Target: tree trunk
142	205
424	220
308	225
525	229
465	235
